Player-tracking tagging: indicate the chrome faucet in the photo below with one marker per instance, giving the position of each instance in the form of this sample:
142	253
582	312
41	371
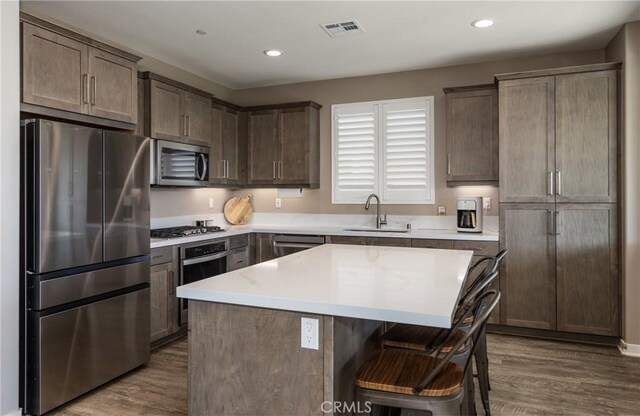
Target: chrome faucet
380	221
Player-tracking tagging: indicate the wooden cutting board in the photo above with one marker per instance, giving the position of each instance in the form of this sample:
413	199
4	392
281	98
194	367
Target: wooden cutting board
238	210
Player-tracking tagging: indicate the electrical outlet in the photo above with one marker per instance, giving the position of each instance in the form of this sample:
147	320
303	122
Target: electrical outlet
486	202
442	210
211	203
278	202
309	333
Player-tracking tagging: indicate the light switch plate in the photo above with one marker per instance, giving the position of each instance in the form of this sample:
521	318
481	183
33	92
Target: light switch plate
486	202
210	202
278	202
309	333
442	210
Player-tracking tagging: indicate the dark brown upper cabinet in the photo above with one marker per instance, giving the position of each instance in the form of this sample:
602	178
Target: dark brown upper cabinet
70	76
472	135
558	135
262	152
586	137
176	111
284	145
228	158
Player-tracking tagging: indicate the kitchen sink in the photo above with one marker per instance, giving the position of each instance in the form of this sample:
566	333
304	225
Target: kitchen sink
378	230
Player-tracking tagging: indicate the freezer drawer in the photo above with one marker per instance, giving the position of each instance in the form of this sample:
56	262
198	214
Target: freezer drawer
48	293
73	351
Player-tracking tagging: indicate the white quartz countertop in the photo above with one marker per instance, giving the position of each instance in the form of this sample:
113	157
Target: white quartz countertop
395	284
421	233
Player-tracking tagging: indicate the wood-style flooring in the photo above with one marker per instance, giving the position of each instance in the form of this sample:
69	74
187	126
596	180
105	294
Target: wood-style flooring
528	377
159	388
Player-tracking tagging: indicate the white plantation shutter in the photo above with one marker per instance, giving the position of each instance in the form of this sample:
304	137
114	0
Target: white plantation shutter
383	147
407	161
355	152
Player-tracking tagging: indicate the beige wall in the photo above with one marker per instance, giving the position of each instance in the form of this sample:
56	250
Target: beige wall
397	85
625	47
175	202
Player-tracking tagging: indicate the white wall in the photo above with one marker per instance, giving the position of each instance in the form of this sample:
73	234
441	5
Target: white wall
9	204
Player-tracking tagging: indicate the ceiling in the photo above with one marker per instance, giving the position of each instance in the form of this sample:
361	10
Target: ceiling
398	35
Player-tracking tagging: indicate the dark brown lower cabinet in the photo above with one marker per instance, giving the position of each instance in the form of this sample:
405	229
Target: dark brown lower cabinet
587	272
161	281
528	278
561	270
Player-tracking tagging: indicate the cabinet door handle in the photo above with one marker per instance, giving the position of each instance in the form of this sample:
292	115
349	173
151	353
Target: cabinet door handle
184	125
188	125
557	223
559	182
550	185
449	164
94	81
275	169
85	88
171	282
550	225
225	166
280	170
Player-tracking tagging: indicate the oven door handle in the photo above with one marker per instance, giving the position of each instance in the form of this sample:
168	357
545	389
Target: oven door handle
204	259
295	245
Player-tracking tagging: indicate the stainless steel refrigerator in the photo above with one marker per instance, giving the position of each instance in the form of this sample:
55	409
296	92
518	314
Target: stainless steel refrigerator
85	288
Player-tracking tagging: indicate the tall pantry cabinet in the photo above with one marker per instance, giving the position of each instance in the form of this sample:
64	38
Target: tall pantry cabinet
558	134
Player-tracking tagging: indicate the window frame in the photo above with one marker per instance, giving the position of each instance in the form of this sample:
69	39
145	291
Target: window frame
380	149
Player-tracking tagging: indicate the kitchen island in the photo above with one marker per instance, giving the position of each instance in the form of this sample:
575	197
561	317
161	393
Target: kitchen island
245	354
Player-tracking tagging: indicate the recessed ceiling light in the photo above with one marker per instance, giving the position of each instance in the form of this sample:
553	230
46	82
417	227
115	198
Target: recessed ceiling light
272	52
482	23
201	32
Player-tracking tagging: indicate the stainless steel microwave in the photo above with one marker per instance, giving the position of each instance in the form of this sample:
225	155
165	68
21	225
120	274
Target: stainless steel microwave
179	164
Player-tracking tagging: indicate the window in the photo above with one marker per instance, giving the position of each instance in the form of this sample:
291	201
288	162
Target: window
383	147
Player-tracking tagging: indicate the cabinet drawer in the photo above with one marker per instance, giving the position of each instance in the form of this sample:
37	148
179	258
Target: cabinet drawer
239	241
238	258
344	239
161	255
424	243
388	241
479	248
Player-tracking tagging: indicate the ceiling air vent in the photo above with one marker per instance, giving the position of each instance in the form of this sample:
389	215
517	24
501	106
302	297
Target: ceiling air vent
351	27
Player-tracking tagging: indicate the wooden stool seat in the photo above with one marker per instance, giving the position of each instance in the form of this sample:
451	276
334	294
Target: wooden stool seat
419	338
397	371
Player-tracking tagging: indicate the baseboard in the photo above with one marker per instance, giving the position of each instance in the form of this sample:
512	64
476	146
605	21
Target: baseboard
554	335
632	350
17	412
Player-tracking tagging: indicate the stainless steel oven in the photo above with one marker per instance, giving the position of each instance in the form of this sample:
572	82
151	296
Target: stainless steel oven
200	261
179	164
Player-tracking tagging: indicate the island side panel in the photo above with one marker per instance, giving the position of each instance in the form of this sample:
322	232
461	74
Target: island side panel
248	361
354	341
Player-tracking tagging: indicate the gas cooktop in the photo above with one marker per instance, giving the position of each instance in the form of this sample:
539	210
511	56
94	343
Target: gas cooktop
184	231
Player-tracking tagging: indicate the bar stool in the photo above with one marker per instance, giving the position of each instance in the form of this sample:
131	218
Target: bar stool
405	379
420	338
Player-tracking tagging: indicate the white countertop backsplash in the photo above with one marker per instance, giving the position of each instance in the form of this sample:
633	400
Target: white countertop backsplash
425	227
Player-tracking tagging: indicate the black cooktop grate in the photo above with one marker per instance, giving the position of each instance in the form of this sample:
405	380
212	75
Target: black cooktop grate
184	231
